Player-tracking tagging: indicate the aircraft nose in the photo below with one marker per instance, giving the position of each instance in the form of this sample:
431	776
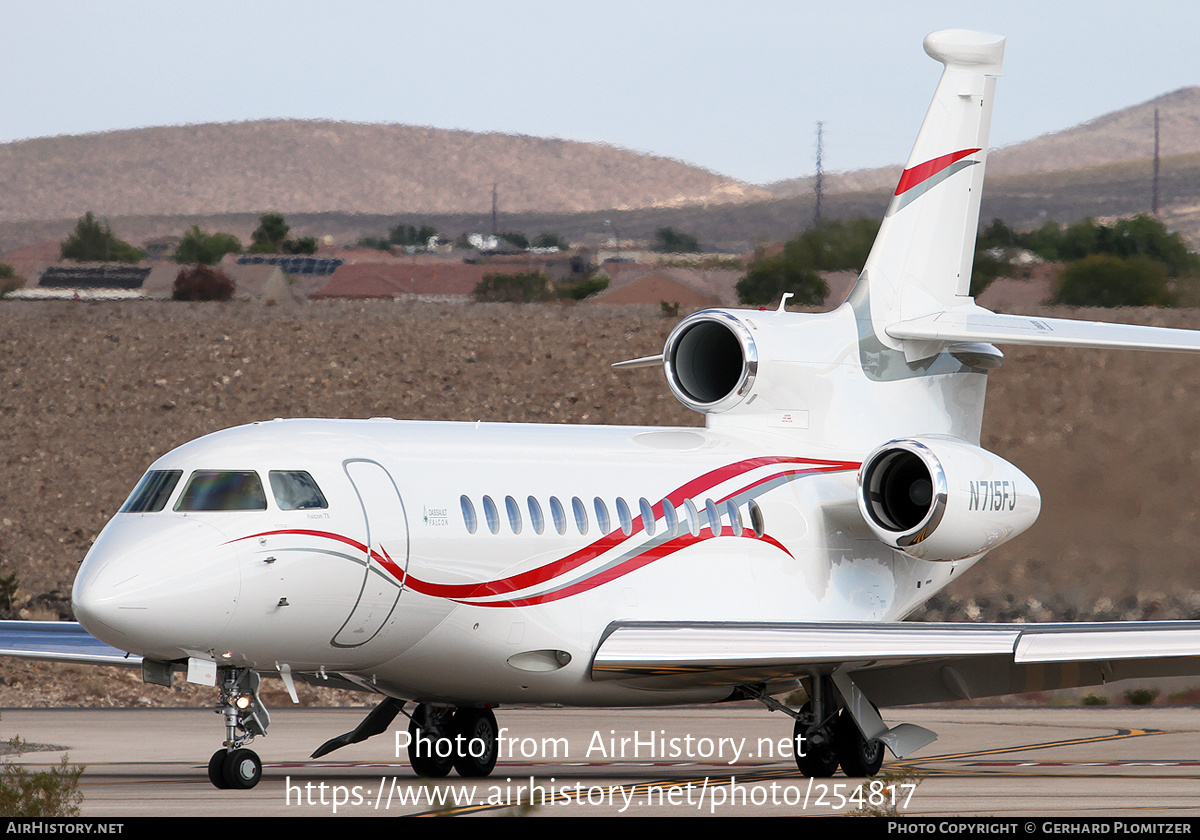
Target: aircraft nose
158	585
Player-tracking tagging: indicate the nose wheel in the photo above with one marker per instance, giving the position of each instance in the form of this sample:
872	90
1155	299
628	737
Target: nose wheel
238	769
233	767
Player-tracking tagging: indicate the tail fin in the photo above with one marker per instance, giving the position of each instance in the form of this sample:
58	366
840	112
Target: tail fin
921	260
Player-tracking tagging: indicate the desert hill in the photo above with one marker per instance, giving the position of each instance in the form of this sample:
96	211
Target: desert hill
1118	137
315	166
345	180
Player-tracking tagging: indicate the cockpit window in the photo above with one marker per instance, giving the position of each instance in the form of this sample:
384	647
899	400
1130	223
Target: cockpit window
296	490
222	490
152	492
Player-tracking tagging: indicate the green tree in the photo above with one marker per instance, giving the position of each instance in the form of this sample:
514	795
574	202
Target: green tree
997	235
515	238
835	245
9	281
769	277
667	240
380	243
271	237
989	263
1103	280
1140	236
583	288
409	236
200	248
551	240
306	245
93	241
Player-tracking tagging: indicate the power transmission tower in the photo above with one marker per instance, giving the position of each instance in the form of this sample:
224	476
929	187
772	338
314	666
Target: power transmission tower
1155	200
818	186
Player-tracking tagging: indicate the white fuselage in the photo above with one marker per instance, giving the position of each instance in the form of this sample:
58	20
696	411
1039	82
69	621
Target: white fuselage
470	562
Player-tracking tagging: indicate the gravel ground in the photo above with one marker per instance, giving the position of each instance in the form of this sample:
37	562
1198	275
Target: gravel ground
91	393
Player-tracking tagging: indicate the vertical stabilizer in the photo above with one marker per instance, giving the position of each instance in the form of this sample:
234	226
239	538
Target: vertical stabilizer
921	261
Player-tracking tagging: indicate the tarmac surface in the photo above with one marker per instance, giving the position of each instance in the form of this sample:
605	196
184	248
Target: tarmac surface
1124	762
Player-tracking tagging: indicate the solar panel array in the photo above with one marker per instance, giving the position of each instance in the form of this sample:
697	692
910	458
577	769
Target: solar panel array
109	276
318	266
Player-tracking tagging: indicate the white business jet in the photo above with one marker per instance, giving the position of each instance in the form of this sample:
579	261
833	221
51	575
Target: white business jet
837	485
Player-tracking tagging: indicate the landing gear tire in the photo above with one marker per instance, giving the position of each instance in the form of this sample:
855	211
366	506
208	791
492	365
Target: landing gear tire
243	769
430	752
859	757
819	760
216	769
237	770
475	733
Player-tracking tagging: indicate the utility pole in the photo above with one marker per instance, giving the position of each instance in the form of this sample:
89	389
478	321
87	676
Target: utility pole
818	186
495	229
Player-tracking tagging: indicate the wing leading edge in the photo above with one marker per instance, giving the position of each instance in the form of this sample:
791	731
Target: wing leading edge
899	663
59	641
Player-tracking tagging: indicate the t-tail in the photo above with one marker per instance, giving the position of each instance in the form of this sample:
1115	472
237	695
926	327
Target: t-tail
915	286
921	260
910	342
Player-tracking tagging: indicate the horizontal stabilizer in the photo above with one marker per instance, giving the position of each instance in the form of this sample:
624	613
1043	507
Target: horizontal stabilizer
59	641
973	324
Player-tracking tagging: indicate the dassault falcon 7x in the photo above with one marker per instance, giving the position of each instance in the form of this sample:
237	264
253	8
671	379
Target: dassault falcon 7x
452	568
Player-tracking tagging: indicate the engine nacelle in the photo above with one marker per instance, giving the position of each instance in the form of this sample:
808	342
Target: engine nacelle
711	361
941	498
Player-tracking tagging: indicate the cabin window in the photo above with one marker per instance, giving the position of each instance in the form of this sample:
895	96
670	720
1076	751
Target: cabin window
691	517
602	520
514	514
735	517
296	490
580	511
491	515
647	516
468	512
535	516
670	519
714	517
558	515
222	490
624	516
756	519
152	492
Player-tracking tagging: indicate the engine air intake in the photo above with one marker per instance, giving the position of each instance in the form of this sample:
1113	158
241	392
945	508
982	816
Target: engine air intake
710	361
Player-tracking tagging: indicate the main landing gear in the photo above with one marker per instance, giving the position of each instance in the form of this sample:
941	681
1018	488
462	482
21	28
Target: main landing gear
828	737
234	766
825	737
441	738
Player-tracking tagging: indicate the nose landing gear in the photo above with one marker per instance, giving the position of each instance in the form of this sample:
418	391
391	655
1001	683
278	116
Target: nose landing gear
233	766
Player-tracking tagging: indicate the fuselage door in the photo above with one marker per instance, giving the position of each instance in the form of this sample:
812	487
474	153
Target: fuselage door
385	563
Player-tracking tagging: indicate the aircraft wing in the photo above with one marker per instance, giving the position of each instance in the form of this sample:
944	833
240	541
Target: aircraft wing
59	641
900	663
974	324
